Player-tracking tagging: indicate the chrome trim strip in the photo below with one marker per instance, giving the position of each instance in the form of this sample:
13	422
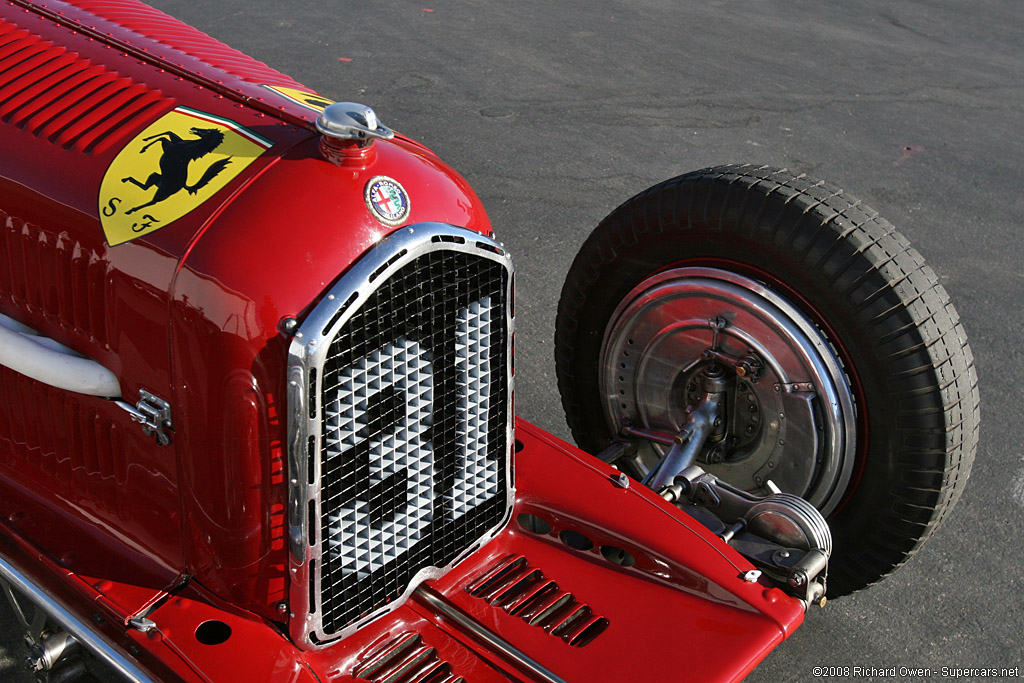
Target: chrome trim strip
437	602
306	357
81	630
297	487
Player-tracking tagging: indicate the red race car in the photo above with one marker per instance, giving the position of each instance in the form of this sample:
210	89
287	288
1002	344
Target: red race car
244	439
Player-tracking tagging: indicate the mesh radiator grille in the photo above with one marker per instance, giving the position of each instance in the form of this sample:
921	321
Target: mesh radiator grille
413	420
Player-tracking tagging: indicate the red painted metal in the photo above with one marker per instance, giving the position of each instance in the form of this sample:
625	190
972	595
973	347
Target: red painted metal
65	98
686	585
685	588
303	222
114	524
149	35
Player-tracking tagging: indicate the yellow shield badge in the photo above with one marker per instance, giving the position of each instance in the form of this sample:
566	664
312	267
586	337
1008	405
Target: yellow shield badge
170	168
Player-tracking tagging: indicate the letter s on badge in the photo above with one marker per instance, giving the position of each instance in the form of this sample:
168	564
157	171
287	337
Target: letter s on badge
170	168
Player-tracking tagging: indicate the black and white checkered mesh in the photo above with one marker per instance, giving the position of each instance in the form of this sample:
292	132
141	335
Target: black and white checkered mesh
414	397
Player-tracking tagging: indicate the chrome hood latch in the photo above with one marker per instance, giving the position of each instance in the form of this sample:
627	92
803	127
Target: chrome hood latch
153	414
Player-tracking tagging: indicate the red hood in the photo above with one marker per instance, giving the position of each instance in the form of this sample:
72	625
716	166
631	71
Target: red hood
190	310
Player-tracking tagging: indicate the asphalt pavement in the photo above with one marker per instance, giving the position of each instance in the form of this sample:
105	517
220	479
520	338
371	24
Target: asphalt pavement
558	112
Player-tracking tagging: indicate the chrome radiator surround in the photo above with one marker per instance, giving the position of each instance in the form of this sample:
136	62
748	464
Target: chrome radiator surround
327	432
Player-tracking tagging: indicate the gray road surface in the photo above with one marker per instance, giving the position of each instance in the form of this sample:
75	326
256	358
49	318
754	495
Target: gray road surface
557	112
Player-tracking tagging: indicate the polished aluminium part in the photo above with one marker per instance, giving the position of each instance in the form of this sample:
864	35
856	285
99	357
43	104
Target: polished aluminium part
82	631
351	121
153	414
47	652
780	517
784	535
307	356
49	647
789	520
24	350
436	601
700	424
790	388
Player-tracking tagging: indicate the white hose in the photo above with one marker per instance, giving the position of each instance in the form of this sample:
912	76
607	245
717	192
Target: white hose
25	351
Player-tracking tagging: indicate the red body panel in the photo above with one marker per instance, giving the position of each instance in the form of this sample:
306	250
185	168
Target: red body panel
685	588
302	222
111	522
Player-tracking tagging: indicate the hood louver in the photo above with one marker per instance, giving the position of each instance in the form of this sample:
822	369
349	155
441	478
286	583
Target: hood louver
66	99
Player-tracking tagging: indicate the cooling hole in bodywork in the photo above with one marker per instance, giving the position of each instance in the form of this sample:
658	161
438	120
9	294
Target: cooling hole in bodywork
575	540
618	556
534	524
591	631
455	239
490	247
312	528
213	632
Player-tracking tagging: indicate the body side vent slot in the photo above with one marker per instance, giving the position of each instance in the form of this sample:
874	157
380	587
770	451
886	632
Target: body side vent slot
521	591
52	273
405	659
59	433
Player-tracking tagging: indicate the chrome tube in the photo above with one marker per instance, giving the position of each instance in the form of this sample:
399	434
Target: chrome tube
436	601
83	631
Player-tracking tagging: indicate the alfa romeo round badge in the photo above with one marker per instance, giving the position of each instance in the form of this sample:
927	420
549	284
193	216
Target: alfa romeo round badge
387	200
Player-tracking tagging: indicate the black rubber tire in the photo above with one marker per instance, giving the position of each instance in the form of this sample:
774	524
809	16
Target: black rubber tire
896	332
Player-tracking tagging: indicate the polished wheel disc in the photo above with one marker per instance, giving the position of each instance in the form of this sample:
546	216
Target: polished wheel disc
789	412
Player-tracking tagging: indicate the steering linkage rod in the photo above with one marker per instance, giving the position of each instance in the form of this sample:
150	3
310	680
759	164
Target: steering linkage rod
703	421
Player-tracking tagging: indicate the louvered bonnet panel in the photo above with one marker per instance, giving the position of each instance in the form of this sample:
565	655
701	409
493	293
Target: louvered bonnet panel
400	425
69	100
176	41
150	35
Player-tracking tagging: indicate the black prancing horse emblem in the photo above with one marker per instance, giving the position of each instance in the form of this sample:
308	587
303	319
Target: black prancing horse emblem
177	155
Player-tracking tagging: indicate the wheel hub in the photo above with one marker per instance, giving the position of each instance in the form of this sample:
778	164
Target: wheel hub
788	412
